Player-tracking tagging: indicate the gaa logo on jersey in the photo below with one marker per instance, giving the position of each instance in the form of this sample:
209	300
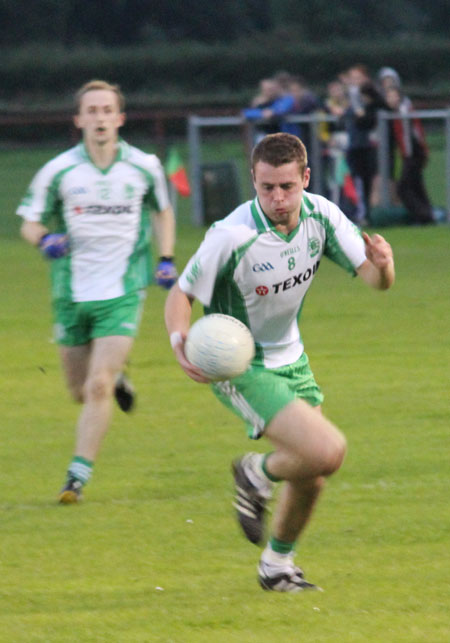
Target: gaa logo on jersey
262	290
313	246
262	267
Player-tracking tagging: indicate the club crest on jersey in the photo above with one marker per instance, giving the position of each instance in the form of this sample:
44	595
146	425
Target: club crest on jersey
262	291
313	246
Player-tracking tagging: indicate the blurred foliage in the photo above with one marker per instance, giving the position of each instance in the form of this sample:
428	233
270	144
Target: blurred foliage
318	19
193	72
125	22
190	53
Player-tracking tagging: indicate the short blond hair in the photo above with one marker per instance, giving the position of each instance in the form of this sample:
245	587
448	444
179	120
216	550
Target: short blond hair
93	85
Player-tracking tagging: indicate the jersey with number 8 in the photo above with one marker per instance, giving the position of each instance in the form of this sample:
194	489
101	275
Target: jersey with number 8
247	269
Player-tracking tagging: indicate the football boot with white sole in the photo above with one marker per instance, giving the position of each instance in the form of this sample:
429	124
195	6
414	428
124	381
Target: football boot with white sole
285	577
250	500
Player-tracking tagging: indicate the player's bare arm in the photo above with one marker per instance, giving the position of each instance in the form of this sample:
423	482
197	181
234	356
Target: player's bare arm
164	227
52	246
33	231
378	270
177	316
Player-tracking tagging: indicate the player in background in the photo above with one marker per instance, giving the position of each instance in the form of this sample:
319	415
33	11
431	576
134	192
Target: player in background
88	211
257	265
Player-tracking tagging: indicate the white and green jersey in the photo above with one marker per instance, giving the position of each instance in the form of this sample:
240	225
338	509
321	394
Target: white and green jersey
245	268
106	216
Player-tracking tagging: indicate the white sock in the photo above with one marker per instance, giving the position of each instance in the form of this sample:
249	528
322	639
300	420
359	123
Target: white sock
271	557
253	469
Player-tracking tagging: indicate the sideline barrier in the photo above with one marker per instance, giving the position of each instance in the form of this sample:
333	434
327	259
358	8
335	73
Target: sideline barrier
198	124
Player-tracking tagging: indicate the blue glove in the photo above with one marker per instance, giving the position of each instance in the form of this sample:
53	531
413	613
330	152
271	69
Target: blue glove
166	273
54	246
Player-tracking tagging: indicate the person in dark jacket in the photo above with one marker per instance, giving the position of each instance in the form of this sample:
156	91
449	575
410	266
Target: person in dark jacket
360	120
409	136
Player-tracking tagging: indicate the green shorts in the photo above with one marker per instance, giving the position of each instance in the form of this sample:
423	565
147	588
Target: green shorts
76	323
260	393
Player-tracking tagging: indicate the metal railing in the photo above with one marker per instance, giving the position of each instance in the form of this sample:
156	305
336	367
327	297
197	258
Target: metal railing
383	156
196	124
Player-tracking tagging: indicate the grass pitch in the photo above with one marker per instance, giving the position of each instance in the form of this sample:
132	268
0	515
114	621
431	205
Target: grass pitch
154	554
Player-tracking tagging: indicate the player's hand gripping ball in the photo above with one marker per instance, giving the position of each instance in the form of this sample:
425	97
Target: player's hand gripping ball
221	346
166	273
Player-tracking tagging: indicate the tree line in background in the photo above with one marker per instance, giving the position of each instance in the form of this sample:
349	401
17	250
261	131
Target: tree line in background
190	53
126	22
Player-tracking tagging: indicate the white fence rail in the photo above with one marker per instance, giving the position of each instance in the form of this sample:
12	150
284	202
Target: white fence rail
197	125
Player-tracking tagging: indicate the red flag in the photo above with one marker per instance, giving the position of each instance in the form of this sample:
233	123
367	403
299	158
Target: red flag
349	189
176	172
345	181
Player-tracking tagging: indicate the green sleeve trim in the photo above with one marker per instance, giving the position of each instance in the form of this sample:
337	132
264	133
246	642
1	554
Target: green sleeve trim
150	199
53	208
333	249
260	225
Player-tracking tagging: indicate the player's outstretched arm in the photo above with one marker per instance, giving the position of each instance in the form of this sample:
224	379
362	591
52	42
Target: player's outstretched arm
378	270
177	315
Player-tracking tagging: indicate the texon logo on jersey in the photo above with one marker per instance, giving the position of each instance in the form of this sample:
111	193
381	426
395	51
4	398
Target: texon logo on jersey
103	209
289	283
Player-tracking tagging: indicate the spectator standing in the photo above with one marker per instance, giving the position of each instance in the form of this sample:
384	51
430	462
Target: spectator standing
409	137
388	78
305	102
360	120
269	107
340	182
336	101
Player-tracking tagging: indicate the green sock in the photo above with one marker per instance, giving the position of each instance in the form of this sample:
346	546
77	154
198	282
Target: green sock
81	469
267	473
280	546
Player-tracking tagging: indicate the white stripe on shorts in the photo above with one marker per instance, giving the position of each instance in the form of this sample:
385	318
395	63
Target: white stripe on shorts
239	402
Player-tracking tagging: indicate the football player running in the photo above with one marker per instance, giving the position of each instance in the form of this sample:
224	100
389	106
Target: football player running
257	265
88	211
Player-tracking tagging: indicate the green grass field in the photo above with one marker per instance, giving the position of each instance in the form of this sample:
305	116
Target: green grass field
154	554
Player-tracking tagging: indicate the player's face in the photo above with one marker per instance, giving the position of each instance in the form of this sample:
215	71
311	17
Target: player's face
280	191
99	116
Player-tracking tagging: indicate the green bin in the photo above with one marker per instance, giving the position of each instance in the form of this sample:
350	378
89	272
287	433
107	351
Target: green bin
393	215
221	190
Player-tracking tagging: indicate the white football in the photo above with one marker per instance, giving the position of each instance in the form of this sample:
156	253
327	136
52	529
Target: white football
219	345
